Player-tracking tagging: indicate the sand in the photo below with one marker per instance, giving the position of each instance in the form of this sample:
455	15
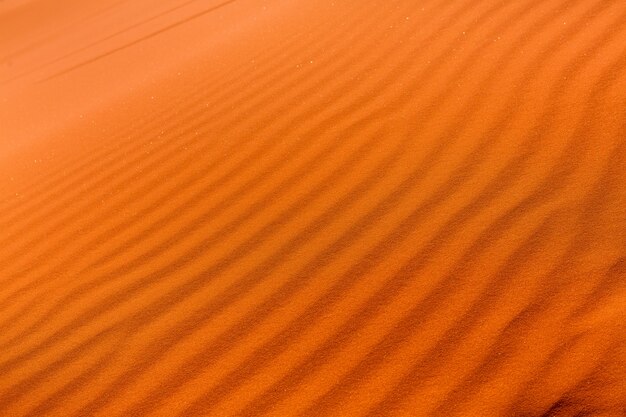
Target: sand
311	208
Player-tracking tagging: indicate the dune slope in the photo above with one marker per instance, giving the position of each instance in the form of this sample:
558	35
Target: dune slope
342	208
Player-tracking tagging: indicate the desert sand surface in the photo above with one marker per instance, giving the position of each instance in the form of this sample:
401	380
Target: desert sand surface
312	208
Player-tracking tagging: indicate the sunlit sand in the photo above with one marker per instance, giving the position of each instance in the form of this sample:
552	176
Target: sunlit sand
312	208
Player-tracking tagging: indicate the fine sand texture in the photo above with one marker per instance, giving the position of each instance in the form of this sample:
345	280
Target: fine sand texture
313	208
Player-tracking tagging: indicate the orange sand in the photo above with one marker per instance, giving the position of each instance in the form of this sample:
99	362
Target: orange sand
310	208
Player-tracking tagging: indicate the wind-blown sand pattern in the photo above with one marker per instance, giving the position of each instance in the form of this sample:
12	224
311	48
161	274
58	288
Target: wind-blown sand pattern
310	208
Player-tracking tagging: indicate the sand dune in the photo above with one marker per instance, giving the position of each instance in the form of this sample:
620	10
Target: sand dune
343	208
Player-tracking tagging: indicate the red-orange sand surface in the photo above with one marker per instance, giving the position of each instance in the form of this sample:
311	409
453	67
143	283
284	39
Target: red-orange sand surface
312	208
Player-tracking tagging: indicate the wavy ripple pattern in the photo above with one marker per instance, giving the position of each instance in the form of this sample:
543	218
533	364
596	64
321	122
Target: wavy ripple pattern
342	208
